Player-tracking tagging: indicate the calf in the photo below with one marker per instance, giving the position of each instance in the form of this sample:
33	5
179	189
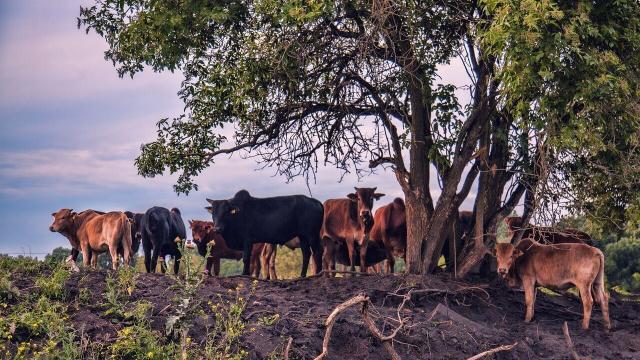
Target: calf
390	231
95	232
545	234
161	231
350	221
206	239
244	220
136	230
559	267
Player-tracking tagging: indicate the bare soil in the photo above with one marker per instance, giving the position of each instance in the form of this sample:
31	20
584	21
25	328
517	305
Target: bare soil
471	317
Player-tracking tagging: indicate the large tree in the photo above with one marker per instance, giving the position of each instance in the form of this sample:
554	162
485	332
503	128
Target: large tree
356	85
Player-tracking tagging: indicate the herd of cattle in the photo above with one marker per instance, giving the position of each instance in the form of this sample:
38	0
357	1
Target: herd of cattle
343	231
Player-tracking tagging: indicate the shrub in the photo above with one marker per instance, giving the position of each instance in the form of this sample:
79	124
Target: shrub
118	290
623	264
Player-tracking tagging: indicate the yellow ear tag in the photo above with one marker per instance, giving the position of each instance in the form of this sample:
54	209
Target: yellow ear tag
234	211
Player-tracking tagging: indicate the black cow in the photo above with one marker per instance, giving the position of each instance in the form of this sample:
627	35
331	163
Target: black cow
244	220
161	229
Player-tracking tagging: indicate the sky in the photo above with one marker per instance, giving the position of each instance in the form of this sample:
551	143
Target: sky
70	130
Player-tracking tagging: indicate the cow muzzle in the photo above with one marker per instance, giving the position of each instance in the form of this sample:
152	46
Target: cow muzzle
52	229
503	272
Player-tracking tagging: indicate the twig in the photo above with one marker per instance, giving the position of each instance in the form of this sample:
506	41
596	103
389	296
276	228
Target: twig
493	351
288	348
569	342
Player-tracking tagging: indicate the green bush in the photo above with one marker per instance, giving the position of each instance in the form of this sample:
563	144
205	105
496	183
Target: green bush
622	264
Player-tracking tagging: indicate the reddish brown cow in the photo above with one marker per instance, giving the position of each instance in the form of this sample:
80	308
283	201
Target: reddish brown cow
350	221
96	233
204	237
557	266
390	231
544	234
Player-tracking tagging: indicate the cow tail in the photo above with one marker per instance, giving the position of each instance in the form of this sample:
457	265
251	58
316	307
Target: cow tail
598	283
126	241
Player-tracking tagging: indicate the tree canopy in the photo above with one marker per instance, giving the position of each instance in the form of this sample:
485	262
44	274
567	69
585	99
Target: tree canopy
356	84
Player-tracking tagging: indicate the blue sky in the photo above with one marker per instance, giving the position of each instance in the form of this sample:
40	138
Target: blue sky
70	129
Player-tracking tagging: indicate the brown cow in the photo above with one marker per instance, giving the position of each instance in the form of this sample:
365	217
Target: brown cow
96	233
390	231
557	266
544	234
204	237
350	221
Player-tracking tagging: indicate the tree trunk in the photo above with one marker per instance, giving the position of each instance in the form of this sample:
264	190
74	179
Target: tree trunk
417	222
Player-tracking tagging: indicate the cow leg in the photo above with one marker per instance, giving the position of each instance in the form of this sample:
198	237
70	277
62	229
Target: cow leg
363	256
391	262
272	263
176	263
154	259
328	255
94	259
246	257
114	258
587	304
603	299
529	298
147	259
352	255
85	256
306	255
207	265
264	261
163	263
216	267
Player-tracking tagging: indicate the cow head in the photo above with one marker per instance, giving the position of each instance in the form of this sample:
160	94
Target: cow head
199	231
136	229
506	255
62	220
364	198
223	212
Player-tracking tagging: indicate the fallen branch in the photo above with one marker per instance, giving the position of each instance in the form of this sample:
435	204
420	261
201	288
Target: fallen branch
331	319
288	348
569	342
386	340
364	300
493	351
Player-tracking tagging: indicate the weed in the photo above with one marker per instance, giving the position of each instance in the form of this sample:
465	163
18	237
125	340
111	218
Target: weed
118	290
268	320
187	303
52	285
8	292
223	341
24	264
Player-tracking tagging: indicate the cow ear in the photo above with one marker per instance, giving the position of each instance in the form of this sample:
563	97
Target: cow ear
210	201
53	214
493	252
517	253
190	222
352	196
209	209
377	196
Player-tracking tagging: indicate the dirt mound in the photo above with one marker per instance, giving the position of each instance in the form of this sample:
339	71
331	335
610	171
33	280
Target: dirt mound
444	318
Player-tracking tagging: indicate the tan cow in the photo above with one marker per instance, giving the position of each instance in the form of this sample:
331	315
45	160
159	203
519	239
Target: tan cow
557	266
390	231
96	233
